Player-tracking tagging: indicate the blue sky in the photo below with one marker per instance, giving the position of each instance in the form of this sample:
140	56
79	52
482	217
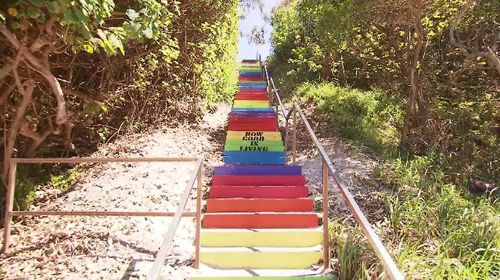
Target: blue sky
253	17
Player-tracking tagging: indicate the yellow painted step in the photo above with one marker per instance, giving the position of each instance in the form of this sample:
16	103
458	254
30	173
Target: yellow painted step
260	258
253	135
251	104
261	237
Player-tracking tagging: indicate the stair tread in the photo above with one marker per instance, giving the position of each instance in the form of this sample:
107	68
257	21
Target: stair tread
207	271
291	250
318	229
263	213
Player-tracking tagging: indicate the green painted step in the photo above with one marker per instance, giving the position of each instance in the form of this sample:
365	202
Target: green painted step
232	148
261	237
269	143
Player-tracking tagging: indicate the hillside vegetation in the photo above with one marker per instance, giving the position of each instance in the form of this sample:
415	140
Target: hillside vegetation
418	83
75	74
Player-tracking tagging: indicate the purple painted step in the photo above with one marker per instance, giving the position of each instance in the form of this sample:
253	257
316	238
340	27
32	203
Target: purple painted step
246	169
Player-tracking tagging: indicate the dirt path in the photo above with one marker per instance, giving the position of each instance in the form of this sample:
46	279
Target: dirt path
116	247
355	166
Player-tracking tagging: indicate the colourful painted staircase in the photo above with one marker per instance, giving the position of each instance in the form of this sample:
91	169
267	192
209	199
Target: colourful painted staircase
258	218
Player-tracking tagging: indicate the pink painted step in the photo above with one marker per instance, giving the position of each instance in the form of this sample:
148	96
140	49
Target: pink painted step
258	180
258	192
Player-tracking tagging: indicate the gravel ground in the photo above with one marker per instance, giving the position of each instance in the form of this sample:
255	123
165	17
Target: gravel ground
117	247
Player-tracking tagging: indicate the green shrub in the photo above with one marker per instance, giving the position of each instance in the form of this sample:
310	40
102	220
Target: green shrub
368	117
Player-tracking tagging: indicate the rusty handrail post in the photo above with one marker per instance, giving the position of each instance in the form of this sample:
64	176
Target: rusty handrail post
166	244
326	209
9	204
198	218
294	137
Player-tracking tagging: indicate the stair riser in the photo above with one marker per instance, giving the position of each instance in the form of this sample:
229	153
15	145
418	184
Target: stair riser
260	221
262	260
258	181
254	158
259	205
261	239
247	127
229	170
251	79
258	192
259	148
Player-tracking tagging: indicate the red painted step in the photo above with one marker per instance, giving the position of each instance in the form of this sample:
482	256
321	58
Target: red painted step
252	119
251	91
259	205
251	96
258	192
252	127
258	180
251	79
260	220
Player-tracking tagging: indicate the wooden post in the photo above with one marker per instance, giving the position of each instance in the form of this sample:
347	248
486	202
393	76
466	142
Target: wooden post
9	204
294	136
197	240
326	208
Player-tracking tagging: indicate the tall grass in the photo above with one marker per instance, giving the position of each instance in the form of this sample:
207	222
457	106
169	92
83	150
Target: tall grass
442	230
368	117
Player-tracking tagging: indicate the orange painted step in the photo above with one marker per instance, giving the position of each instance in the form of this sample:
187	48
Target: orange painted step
258	192
258	180
260	220
259	205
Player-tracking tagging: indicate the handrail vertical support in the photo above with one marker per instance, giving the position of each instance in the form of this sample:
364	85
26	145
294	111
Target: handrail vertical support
286	140
9	204
197	240
294	137
326	208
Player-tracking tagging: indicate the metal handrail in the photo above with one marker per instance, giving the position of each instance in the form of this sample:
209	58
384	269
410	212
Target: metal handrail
166	245
274	90
390	268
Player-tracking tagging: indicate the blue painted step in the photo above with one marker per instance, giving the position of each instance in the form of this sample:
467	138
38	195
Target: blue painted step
250	74
254	157
270	109
252	113
252	87
243	169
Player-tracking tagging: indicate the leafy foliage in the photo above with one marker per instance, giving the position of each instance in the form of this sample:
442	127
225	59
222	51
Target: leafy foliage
422	75
79	73
366	116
